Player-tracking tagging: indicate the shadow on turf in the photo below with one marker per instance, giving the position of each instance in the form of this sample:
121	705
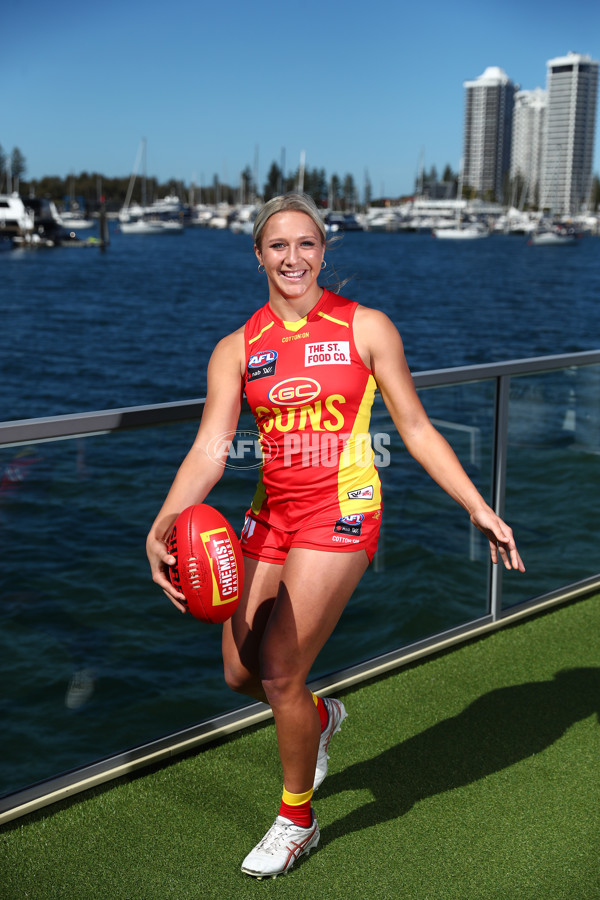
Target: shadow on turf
498	729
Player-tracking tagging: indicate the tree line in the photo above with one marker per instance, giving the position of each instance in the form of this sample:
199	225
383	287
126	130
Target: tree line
515	190
93	188
338	193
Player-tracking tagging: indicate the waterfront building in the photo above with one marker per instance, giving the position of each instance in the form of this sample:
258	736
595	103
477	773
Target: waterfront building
489	102
529	118
568	147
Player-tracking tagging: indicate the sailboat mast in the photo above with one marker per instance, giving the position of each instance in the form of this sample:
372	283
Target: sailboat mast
461	175
144	174
141	151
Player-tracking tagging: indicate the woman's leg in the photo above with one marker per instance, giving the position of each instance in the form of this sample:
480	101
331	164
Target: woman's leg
243	633
314	589
285	616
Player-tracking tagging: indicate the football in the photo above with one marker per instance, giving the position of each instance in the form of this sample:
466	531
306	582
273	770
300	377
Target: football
209	567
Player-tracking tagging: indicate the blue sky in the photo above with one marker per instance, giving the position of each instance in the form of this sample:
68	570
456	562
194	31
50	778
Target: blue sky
215	87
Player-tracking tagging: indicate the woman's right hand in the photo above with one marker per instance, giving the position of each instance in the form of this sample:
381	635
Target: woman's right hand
161	562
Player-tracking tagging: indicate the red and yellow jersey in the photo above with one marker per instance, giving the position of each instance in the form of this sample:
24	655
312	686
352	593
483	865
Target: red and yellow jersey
311	395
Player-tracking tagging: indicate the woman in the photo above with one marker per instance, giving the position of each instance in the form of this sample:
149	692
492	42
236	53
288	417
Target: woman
309	362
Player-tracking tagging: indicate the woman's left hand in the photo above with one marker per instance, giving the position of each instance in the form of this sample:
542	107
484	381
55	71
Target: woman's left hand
500	537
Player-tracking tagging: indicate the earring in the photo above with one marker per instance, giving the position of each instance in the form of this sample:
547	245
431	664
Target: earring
261	268
323	263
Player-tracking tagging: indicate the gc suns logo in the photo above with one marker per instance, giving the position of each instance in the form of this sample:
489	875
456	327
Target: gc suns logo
295	391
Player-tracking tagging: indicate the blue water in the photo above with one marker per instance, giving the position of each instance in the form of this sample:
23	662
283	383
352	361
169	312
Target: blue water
85	330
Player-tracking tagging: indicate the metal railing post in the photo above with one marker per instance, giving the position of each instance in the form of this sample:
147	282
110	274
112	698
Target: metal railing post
499	482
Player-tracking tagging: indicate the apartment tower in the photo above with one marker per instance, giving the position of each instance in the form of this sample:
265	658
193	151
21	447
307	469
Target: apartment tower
489	103
568	148
529	119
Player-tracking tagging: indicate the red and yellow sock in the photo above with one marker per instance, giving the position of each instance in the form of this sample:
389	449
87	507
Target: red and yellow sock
296	807
322	710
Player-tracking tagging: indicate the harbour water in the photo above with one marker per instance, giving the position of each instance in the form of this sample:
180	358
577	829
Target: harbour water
94	659
86	330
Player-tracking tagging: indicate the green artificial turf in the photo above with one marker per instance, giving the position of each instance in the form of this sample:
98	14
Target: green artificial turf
473	775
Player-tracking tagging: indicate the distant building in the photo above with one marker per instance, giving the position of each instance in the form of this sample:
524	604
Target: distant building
529	119
488	131
568	149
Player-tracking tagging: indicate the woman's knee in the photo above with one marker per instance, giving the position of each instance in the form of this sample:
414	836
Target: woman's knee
239	679
273	683
283	685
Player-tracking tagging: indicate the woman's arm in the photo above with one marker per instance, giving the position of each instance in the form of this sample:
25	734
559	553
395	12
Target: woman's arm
380	345
204	463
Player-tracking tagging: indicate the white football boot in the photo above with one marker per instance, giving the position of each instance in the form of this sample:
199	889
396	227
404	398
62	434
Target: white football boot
283	844
337	714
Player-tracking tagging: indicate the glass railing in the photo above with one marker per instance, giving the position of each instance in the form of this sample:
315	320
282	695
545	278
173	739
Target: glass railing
96	663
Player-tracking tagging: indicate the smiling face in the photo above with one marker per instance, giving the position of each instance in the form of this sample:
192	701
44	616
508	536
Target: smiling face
291	250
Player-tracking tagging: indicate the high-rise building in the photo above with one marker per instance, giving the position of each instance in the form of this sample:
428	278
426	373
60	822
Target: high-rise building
569	136
488	131
529	118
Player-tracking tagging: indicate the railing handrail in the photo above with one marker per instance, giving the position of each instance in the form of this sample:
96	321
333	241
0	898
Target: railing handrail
70	425
527	366
106	421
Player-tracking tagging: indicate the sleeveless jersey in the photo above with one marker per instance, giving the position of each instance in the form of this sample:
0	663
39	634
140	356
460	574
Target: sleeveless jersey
311	395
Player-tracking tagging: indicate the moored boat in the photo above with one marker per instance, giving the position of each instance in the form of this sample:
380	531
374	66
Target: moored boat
555	236
461	233
16	221
48	228
149	226
75	220
74	216
162	217
338	221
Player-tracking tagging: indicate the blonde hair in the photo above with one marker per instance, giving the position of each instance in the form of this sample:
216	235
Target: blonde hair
292	202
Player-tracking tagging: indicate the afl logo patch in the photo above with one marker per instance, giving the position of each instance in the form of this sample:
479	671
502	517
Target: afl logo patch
351	524
295	391
261	364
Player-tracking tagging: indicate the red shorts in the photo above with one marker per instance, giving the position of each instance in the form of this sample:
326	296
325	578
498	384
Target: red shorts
344	534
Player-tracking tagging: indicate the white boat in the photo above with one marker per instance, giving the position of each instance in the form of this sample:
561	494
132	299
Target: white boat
73	215
382	219
169	226
159	218
461	233
16	221
144	226
554	237
241	227
73	219
47	228
516	221
170	205
219	222
201	214
242	220
148	224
